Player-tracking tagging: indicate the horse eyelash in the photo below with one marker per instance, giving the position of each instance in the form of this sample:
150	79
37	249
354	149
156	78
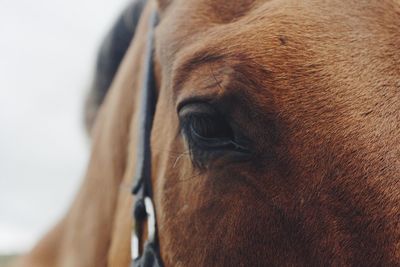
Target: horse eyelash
198	156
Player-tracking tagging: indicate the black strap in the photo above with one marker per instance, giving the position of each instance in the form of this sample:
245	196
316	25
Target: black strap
146	114
142	188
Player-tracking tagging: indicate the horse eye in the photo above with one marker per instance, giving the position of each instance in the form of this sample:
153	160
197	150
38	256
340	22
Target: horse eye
206	129
210	127
202	125
209	135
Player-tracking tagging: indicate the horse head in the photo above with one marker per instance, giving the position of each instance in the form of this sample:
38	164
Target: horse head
276	137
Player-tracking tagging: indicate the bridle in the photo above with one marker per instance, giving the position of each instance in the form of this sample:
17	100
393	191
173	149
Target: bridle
143	211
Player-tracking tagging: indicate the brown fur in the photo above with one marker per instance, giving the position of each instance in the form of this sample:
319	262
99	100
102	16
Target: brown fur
315	85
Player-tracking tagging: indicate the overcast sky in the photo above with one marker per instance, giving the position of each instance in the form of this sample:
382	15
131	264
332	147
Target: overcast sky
47	53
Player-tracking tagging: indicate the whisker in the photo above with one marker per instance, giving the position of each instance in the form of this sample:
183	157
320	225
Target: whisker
167	151
215	78
189	179
185	153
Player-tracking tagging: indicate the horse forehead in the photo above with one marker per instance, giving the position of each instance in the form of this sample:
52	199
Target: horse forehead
262	25
281	36
218	11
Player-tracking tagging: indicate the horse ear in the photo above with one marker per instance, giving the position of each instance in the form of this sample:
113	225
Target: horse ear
162	4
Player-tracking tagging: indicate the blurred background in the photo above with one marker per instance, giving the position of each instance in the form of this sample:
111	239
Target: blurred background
47	54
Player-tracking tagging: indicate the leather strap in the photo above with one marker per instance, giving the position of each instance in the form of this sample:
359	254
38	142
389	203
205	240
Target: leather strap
144	212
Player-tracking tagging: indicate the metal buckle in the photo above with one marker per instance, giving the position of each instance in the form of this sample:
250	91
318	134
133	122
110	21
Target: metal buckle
151	229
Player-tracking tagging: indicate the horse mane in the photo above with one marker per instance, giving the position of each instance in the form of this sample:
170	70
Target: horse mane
96	229
111	52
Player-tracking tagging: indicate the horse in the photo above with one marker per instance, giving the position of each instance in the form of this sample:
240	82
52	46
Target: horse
275	139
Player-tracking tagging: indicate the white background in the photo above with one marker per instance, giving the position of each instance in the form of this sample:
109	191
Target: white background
47	54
